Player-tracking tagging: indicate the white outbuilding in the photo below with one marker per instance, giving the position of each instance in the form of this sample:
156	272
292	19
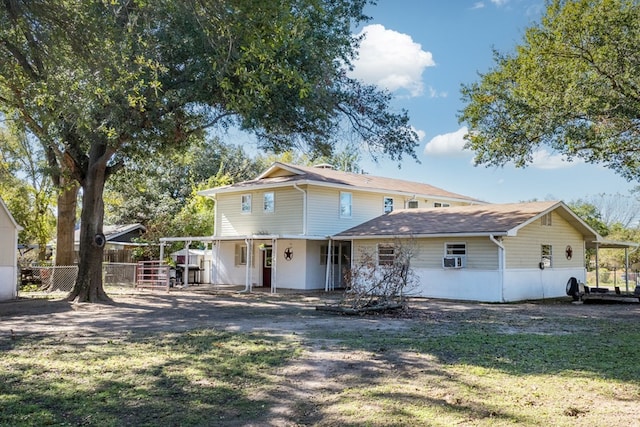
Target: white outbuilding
9	229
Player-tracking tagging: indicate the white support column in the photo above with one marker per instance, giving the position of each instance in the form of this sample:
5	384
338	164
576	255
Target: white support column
186	266
274	262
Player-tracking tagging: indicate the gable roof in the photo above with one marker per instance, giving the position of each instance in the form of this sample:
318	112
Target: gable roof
4	207
112	232
475	220
283	174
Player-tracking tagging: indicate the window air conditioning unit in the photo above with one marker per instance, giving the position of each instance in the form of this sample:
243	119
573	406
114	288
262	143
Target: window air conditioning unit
452	262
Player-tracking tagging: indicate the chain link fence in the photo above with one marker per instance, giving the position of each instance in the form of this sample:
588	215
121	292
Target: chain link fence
62	278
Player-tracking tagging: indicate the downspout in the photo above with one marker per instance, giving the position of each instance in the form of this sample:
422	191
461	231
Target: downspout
304	209
501	262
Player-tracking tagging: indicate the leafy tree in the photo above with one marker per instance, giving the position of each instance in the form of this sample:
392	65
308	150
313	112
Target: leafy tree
105	83
590	214
26	188
572	85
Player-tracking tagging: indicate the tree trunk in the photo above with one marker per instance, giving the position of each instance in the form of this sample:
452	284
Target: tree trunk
88	286
67	201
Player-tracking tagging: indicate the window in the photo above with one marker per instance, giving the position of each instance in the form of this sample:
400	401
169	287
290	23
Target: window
324	249
388	204
546	220
546	255
412	204
345	205
441	205
455	249
246	203
241	254
269	205
386	254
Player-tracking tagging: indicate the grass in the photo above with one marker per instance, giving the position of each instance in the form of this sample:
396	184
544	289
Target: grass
489	370
192	378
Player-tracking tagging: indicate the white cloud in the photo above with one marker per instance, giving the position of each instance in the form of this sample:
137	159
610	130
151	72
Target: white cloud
391	60
478	5
448	144
499	2
543	159
421	134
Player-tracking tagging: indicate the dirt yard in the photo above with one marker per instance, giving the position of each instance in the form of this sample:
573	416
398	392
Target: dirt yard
323	365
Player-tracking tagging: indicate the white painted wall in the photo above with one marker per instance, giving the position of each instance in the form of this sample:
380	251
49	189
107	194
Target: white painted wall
459	284
8	257
526	284
291	274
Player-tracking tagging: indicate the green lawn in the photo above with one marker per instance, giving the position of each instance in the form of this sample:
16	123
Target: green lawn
443	371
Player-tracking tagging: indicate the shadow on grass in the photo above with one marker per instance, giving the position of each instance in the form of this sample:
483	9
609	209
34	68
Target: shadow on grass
194	378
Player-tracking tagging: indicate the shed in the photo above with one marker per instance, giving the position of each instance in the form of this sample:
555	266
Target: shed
9	230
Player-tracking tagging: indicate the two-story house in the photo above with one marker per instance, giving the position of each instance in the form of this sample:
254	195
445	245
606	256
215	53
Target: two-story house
304	228
275	231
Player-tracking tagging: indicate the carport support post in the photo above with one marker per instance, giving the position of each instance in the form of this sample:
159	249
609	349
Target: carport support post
597	266
161	252
186	265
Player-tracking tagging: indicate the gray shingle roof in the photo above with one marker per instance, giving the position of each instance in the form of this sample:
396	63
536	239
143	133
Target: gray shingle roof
498	219
282	174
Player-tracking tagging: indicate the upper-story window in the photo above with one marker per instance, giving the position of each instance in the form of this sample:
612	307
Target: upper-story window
345	205
441	205
546	219
388	204
269	205
412	204
245	204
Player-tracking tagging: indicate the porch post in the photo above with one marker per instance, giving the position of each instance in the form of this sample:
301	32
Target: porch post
161	252
328	267
274	257
597	266
186	265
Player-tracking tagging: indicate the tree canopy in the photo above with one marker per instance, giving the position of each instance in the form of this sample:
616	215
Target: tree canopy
101	83
573	85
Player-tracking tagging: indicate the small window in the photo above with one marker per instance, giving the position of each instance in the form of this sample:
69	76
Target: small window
455	249
269	205
546	255
345	205
386	254
324	250
241	254
546	220
246	203
388	204
441	205
412	204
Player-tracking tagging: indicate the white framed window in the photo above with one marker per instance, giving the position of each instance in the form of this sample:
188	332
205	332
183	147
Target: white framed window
245	203
386	254
241	254
269	202
324	251
546	220
345	205
412	204
441	205
455	255
455	248
388	204
546	255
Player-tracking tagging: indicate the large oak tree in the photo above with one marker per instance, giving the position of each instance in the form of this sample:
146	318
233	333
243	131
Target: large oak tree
104	82
572	85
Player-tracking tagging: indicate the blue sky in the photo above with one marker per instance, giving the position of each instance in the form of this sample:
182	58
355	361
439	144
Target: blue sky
422	51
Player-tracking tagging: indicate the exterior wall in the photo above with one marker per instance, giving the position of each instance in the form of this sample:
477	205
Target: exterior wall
316	270
523	251
286	219
481	279
482	254
323	206
8	257
524	284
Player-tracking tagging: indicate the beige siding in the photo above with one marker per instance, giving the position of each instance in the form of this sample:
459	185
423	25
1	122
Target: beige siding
287	218
482	254
324	208
524	250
